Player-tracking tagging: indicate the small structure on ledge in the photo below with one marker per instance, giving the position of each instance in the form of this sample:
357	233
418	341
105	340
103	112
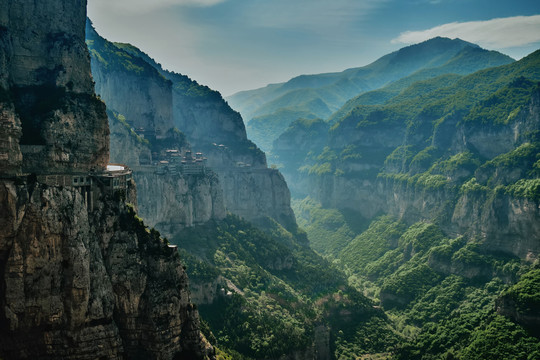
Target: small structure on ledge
116	177
177	164
193	165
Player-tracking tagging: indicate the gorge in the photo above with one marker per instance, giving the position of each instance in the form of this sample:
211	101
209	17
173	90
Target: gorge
414	180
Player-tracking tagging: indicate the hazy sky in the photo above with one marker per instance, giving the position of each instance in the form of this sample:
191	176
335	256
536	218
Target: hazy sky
233	45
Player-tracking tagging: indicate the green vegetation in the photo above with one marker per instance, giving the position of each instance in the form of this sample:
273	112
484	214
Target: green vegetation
182	84
381	236
512	85
526	292
466	327
114	116
440	293
525	188
116	57
463	161
282	293
328	230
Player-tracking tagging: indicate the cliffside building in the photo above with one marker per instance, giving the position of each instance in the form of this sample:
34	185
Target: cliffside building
193	165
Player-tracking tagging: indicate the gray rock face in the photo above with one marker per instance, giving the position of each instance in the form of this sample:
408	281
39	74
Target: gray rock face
173	202
126	147
10	133
46	71
208	120
146	101
85	285
257	193
505	224
47	45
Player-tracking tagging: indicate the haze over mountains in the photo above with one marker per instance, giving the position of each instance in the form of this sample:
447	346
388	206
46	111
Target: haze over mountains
269	110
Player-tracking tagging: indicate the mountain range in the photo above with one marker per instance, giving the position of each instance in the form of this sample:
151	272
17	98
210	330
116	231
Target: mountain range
268	111
415	186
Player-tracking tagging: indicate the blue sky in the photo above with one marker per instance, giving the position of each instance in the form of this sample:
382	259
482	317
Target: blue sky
233	45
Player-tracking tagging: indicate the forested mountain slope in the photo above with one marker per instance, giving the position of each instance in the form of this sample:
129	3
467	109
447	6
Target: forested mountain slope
429	199
270	110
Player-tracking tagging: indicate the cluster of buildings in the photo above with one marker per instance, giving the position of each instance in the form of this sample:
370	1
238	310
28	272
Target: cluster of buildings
116	179
187	164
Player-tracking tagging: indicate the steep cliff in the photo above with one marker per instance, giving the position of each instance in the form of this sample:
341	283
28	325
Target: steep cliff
140	102
467	162
257	193
88	284
250	189
127	147
47	74
171	203
130	86
81	276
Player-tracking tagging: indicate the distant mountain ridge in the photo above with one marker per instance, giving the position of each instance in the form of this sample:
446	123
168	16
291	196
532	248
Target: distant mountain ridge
320	95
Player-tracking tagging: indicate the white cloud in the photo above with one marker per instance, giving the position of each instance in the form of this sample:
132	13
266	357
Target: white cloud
497	33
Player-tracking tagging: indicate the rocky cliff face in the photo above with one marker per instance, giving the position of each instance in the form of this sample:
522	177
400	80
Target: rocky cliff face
88	284
258	193
130	86
126	146
249	188
81	276
47	75
172	202
502	219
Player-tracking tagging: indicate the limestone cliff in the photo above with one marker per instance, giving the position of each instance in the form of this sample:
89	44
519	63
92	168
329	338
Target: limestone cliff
88	284
249	188
140	106
472	177
81	277
172	202
130	86
46	72
257	193
127	147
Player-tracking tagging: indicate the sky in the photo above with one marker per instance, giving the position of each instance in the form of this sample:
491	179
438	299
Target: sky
234	45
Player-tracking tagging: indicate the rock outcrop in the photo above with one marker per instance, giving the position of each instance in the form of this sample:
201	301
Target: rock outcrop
257	193
47	77
86	285
81	277
172	202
